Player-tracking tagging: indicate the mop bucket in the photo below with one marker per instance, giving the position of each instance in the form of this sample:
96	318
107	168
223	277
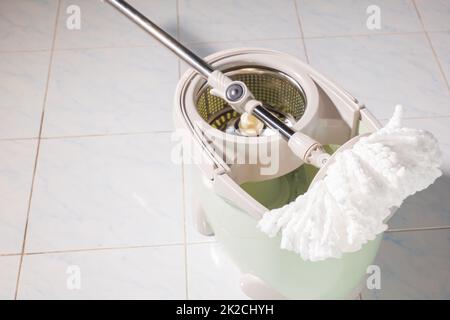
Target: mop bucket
230	197
273	102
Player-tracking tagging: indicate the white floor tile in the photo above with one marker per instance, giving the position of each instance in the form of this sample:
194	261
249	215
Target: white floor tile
103	26
383	71
211	275
440	43
23	78
102	91
9	267
105	192
413	265
146	273
435	14
27	24
349	17
293	47
430	207
205	21
16	171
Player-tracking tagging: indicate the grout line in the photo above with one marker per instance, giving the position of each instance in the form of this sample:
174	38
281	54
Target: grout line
175	244
195	243
178	36
108	134
168	131
177	8
10	254
149	45
297	12
302	36
190	43
199	242
183	184
89	135
144	45
424	118
125	46
436	57
18	139
333	36
38	147
184	243
24	51
418	229
417	118
94	135
179	68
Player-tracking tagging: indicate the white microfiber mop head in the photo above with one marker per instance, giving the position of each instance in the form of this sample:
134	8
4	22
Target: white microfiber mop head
350	205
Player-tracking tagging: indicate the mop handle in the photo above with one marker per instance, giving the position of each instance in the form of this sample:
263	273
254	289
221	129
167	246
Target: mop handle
234	92
163	37
192	59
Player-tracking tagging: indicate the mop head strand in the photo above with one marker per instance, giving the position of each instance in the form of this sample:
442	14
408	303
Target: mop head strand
349	207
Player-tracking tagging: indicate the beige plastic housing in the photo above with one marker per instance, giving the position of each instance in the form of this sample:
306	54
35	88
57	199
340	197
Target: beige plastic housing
332	116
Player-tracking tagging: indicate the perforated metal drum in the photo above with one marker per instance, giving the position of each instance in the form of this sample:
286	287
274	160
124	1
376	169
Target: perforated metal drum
282	95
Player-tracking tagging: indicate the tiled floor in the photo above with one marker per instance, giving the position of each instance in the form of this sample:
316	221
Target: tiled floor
86	188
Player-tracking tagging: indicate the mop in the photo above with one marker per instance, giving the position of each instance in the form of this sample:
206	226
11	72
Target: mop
360	185
349	206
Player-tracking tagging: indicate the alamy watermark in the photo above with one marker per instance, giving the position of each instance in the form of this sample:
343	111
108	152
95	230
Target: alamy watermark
373	281
373	21
263	151
73	281
73	21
